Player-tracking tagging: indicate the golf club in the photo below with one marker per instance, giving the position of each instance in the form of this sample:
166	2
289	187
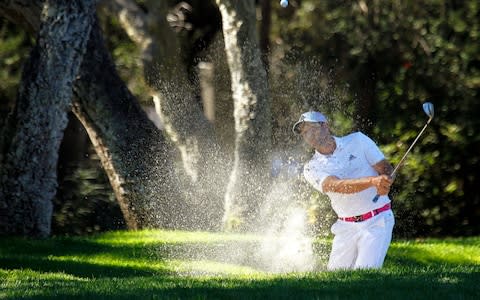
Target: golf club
429	110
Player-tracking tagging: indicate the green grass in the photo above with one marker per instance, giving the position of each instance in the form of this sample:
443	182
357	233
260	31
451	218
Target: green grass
199	265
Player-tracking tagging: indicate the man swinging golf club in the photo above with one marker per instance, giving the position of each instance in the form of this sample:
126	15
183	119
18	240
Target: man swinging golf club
351	171
354	174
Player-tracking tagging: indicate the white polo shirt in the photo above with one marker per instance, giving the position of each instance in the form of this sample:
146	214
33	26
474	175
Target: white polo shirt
354	157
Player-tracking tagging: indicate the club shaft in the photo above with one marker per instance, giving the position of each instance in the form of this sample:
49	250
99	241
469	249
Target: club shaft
375	199
410	148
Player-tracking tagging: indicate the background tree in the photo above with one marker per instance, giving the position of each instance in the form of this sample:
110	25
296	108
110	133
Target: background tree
174	96
249	176
176	102
127	143
31	137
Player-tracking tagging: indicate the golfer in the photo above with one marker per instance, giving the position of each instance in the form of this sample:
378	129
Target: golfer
351	171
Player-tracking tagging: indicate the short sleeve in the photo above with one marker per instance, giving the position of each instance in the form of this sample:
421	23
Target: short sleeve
314	175
373	154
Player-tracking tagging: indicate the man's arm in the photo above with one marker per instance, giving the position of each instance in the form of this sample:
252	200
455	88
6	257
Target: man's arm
349	186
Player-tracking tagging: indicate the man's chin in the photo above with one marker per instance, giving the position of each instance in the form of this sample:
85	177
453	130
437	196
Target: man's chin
320	142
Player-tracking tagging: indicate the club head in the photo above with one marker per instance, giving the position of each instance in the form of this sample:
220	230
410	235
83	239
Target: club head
428	109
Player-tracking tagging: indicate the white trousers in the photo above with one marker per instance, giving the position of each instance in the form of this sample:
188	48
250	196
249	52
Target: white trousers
361	245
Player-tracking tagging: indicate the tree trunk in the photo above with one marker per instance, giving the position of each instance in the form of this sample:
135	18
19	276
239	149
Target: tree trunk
172	94
246	188
176	103
132	150
34	130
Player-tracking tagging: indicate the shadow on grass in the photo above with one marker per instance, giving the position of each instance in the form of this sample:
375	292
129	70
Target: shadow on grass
74	268
84	258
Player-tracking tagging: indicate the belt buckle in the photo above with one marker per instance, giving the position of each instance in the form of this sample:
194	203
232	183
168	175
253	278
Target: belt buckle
358	218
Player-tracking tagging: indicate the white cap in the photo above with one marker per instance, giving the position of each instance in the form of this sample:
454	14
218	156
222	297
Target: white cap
311	116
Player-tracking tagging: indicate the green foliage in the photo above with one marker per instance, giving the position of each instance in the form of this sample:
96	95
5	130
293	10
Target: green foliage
176	264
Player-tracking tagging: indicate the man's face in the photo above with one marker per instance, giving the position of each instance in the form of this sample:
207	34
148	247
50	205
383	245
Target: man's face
314	134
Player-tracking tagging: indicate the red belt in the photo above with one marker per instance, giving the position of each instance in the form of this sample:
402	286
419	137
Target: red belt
368	215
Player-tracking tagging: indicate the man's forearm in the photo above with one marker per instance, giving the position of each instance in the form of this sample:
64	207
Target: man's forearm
347	186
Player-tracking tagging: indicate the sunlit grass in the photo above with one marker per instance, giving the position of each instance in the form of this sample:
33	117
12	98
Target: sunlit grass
158	237
465	251
157	264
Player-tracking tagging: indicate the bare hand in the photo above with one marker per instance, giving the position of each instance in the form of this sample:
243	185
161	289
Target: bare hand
382	183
